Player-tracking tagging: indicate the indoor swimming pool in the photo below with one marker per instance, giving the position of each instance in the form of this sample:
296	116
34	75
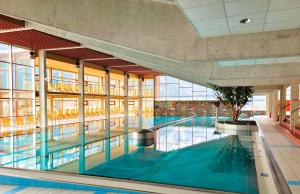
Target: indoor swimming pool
190	154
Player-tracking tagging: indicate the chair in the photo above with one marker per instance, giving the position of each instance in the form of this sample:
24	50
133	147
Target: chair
61	114
67	113
86	110
71	87
19	121
59	87
87	89
92	111
30	120
65	87
50	87
6	122
76	88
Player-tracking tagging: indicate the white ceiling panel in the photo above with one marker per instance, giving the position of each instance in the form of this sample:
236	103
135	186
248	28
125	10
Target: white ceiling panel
206	12
246	29
234	21
196	3
212	17
215	32
284	4
243	7
211	24
282	25
283	15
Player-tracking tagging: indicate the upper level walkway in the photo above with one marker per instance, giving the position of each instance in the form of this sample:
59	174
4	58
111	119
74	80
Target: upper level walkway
285	149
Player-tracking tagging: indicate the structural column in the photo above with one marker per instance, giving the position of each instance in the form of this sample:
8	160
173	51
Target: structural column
11	105
43	110
81	118
107	114
140	101
294	108
282	112
275	105
126	141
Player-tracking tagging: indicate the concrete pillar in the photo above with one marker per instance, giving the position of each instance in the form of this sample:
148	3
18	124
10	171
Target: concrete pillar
275	107
11	105
282	112
126	139
294	108
81	118
43	110
140	101
107	114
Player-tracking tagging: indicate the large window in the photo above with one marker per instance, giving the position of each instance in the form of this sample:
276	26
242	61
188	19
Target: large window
170	88
16	89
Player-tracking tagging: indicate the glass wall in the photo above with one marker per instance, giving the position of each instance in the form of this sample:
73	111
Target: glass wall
169	88
181	98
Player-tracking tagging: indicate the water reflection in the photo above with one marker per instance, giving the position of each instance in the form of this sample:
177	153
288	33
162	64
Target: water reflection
78	151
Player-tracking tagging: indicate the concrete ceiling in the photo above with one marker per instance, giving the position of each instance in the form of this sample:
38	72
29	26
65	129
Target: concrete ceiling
157	35
222	17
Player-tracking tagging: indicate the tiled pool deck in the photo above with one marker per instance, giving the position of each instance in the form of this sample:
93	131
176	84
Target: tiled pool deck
285	150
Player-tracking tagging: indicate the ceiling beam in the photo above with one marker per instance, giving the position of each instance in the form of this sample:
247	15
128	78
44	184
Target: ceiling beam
14	30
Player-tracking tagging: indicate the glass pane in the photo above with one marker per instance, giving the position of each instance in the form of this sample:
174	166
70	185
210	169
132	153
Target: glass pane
21	56
68	75
4	75
23	77
186	92
185	84
172	90
55	73
23	107
4	52
4	108
172	80
197	87
162	79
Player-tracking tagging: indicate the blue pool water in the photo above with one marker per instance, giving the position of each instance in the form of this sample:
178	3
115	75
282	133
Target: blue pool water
191	154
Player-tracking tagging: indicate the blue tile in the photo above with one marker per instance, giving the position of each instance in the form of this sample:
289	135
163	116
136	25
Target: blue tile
293	182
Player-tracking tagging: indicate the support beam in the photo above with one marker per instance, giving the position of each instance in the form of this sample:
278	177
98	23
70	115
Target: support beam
275	106
107	114
43	110
140	101
294	107
81	118
282	111
126	138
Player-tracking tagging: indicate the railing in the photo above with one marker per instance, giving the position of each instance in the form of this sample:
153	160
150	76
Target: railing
93	88
117	91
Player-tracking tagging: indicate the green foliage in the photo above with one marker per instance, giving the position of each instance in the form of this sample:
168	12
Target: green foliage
233	98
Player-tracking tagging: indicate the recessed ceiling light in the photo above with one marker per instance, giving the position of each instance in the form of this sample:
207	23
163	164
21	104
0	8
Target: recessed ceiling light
246	21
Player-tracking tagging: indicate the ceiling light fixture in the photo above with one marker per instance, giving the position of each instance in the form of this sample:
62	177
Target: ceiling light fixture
32	53
77	63
246	21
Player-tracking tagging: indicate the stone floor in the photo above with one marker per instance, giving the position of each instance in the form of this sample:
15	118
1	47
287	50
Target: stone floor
285	150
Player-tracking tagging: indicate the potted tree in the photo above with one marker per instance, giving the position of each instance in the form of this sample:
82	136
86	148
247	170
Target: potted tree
234	99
